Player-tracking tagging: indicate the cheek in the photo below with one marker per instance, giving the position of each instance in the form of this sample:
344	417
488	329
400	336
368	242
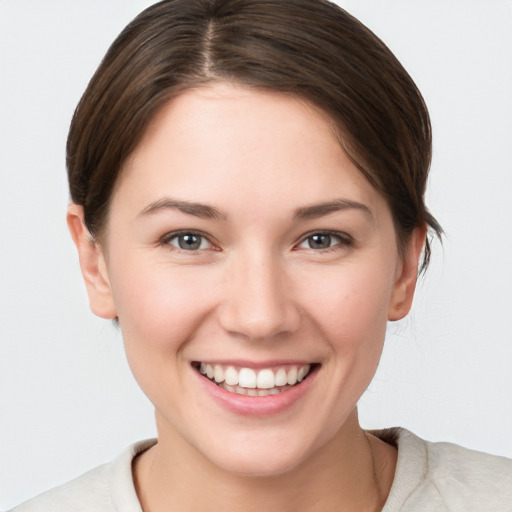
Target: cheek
158	305
350	304
160	308
349	309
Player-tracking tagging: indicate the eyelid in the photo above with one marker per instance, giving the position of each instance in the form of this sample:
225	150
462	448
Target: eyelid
166	239
345	239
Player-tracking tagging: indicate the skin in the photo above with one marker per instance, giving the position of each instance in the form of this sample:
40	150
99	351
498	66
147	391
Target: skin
254	291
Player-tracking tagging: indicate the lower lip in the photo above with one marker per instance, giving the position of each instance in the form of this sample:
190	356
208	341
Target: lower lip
257	405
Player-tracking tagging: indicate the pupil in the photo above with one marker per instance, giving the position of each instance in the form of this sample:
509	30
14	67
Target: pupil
190	242
320	241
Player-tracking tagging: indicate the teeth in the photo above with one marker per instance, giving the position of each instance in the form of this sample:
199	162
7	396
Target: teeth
265	379
231	376
247	381
303	371
281	377
218	373
247	378
253	392
292	377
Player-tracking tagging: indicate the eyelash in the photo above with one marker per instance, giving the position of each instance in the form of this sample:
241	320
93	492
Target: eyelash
167	239
344	240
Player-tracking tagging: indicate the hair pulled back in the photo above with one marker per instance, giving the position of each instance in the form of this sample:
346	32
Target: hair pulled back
310	48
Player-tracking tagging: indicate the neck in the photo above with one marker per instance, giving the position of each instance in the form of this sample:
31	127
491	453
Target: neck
353	471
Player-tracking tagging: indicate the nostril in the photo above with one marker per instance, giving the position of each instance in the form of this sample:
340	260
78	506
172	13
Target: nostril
257	303
259	324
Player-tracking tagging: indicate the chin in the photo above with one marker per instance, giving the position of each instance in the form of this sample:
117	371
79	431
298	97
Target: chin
259	459
268	467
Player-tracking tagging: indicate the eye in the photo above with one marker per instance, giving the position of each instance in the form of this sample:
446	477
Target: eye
324	240
187	241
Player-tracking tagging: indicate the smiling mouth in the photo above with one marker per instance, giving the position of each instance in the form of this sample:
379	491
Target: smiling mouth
250	382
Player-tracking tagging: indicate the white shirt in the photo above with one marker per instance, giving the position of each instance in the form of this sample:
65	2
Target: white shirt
433	477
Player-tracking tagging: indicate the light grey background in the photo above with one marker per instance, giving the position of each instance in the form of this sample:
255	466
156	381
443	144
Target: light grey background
67	399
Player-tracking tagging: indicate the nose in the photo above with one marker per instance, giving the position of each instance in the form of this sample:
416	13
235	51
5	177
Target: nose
258	302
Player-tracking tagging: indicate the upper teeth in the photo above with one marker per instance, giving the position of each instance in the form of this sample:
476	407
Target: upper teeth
265	378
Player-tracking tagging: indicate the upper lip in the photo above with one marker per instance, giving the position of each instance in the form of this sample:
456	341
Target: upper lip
255	365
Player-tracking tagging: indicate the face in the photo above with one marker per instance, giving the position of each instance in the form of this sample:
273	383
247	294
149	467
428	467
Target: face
253	270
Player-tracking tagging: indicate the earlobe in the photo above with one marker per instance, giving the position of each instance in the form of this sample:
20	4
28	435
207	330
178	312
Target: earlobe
92	264
405	284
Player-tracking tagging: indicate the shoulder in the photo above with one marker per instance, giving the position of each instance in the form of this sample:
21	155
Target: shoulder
447	477
87	492
107	488
470	479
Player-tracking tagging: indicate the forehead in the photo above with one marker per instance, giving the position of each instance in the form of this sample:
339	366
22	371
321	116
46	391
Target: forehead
224	141
259	119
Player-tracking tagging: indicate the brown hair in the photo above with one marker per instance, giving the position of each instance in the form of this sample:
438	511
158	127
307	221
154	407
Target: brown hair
310	48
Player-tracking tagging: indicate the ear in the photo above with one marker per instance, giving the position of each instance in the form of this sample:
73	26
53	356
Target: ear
92	264
407	275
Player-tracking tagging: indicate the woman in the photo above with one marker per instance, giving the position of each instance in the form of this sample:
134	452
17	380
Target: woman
247	183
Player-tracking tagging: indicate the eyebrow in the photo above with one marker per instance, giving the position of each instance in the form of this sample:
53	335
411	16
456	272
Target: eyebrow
201	210
319	210
205	211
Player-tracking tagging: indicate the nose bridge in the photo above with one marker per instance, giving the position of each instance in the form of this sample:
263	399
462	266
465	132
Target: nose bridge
258	302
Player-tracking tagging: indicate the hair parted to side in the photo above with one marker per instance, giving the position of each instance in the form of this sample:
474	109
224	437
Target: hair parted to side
309	48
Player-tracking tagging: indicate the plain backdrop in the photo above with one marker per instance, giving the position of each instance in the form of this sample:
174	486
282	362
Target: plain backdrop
67	399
